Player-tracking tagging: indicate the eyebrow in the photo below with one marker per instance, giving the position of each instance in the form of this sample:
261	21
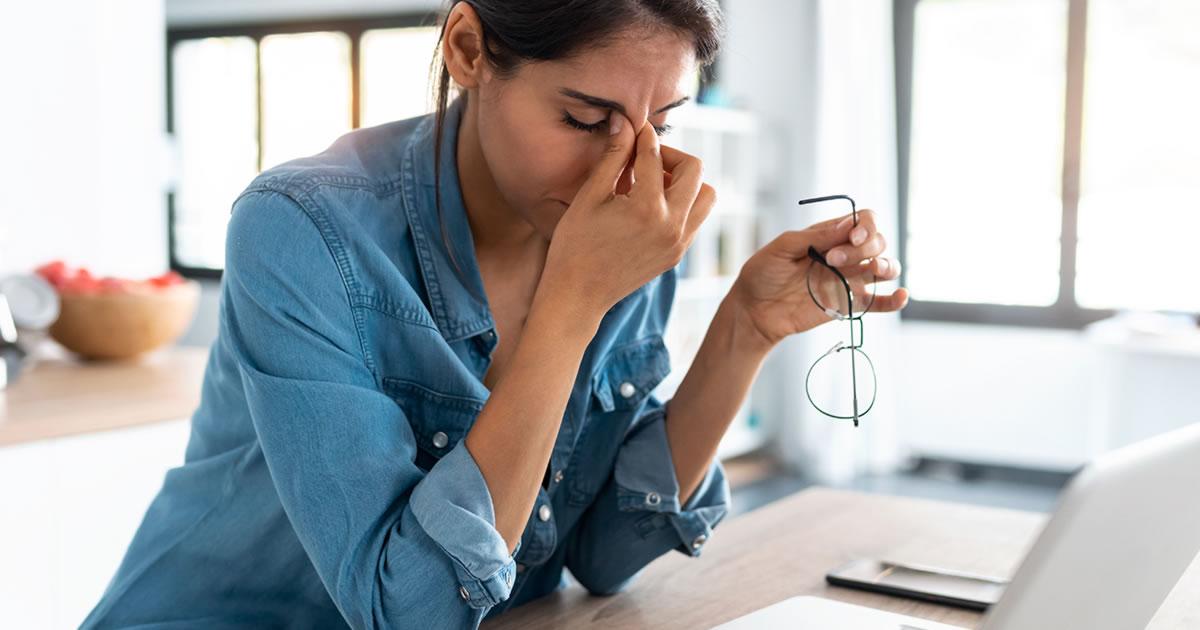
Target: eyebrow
596	101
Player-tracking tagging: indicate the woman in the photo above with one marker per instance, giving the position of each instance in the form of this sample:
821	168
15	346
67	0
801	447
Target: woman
430	389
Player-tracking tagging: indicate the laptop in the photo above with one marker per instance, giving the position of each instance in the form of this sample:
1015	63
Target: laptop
1124	531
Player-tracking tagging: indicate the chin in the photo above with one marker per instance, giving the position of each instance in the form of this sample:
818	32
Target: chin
547	219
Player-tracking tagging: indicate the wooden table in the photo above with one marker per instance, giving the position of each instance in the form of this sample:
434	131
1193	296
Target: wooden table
61	395
785	548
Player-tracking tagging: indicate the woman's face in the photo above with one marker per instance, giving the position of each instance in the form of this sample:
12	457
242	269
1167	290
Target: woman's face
542	130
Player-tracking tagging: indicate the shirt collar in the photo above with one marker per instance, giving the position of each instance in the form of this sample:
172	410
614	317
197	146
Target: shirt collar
457	298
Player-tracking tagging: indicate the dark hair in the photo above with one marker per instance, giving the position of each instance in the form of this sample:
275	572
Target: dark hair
518	32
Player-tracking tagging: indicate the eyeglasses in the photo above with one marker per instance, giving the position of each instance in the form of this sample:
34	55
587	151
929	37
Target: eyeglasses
839	294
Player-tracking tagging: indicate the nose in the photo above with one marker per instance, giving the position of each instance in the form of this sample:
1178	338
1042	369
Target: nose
638	121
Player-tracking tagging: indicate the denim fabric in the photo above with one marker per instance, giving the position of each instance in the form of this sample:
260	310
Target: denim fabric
326	481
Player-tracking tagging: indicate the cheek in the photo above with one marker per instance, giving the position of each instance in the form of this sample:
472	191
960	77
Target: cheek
533	165
544	175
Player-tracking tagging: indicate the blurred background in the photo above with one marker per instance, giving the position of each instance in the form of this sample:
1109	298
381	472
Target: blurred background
1035	165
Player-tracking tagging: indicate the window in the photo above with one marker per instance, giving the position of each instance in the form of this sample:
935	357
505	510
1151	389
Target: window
387	92
1047	157
216	132
1139	193
305	79
231	107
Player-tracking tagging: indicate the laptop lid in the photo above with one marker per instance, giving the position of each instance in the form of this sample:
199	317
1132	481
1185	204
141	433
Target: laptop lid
1125	529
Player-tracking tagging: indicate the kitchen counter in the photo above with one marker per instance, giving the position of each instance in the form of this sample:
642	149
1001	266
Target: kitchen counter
61	395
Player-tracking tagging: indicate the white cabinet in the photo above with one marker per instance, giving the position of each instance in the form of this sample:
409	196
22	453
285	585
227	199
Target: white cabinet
1143	371
68	509
1040	398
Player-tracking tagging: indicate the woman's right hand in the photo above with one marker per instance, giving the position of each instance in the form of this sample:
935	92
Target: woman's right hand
607	244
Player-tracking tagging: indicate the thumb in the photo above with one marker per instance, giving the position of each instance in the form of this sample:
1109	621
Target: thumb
617	152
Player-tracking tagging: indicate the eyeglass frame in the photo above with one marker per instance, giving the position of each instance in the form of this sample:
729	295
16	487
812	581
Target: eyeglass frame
820	258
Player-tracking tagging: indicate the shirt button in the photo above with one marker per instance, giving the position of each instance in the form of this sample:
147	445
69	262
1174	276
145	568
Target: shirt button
558	476
627	389
440	440
544	512
509	579
653	498
699	541
462	592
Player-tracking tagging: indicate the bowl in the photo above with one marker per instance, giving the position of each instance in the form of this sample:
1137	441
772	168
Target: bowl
124	324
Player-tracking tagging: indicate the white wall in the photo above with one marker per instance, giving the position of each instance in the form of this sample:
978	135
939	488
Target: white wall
83	161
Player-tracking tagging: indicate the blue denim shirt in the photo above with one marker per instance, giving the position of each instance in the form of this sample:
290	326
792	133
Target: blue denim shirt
327	482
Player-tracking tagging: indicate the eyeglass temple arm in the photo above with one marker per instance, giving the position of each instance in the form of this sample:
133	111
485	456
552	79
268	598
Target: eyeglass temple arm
817	256
853	208
854	369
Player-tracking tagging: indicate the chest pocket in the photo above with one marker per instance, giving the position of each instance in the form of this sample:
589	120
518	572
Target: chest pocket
620	387
439	421
629	373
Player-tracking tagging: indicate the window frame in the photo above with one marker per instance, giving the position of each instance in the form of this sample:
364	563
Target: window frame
1065	313
354	28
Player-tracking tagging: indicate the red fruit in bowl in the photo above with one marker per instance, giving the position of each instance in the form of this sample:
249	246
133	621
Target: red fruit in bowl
81	282
52	267
80	286
67	279
54	272
121	324
167	279
110	283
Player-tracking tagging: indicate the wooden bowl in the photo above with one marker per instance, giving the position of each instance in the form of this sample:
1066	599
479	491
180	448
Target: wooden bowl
124	324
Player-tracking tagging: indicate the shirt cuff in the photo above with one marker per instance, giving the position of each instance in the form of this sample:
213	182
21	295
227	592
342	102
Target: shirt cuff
645	478
454	507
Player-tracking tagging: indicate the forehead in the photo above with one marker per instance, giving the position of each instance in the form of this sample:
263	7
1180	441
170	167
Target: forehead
643	72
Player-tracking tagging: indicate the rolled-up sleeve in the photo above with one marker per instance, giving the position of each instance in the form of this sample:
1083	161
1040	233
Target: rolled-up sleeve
637	515
394	545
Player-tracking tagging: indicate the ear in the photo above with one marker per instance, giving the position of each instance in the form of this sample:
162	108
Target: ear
462	46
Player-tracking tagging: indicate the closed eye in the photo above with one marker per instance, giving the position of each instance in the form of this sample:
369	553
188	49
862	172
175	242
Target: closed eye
603	125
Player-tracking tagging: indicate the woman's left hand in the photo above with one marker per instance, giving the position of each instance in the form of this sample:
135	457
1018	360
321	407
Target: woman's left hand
771	288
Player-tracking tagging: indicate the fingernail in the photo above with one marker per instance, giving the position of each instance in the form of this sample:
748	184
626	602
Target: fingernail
883	265
858	236
614	123
836	258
